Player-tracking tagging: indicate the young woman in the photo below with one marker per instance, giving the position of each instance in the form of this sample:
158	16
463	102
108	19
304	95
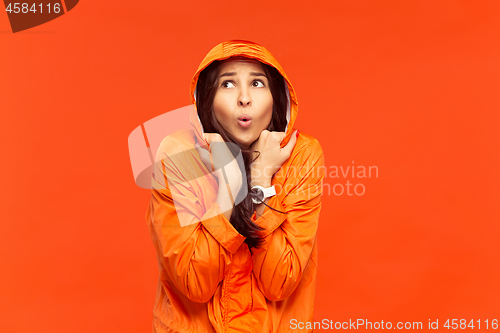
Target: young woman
236	241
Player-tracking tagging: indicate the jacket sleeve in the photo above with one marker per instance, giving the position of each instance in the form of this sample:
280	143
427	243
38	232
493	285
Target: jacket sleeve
289	238
193	244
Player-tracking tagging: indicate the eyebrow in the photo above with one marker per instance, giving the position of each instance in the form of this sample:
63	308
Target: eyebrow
251	73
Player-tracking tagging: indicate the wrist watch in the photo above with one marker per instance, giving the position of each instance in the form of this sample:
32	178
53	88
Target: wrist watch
262	193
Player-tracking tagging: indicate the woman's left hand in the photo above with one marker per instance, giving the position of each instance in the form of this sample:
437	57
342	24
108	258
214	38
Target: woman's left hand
271	157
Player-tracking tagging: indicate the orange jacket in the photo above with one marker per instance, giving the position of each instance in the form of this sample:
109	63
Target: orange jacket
209	281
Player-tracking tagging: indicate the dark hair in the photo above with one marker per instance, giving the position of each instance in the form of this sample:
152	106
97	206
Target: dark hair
205	94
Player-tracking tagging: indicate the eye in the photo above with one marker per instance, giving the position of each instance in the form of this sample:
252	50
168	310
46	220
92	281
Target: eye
258	83
227	84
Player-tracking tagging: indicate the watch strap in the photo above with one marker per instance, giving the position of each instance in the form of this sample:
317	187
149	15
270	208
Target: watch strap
269	192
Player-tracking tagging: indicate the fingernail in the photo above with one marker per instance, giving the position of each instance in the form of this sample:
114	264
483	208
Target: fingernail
297	135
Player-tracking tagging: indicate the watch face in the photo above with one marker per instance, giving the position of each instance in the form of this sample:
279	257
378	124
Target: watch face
259	194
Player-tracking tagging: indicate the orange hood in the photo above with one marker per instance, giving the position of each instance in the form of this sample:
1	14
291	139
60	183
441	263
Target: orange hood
247	49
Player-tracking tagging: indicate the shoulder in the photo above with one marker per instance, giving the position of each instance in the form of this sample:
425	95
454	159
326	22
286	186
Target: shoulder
306	148
175	143
306	164
179	158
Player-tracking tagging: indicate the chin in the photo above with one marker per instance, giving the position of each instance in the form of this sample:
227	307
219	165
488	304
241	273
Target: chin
245	137
247	141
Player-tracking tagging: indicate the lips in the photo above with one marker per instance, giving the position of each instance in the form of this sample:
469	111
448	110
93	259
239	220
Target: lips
244	121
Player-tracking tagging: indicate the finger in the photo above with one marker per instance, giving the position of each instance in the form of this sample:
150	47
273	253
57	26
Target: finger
277	137
201	144
291	144
281	136
200	148
213	137
207	159
204	154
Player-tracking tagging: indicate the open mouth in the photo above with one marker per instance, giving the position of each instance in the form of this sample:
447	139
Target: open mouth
244	121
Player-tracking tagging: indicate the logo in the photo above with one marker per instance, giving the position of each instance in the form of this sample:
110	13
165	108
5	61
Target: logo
28	14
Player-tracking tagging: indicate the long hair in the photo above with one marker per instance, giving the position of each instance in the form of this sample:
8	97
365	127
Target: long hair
241	216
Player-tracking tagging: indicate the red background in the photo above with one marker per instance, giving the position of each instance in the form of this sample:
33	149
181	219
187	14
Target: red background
411	87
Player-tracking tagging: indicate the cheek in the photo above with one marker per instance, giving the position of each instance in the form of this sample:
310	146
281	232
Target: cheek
268	110
220	109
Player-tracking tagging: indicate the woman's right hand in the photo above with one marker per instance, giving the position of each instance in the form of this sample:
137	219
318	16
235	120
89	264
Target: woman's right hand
271	156
220	157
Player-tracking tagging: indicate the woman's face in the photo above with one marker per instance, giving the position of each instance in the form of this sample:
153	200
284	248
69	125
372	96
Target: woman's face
243	103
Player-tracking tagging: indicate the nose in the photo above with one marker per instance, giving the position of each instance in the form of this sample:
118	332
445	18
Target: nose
244	98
